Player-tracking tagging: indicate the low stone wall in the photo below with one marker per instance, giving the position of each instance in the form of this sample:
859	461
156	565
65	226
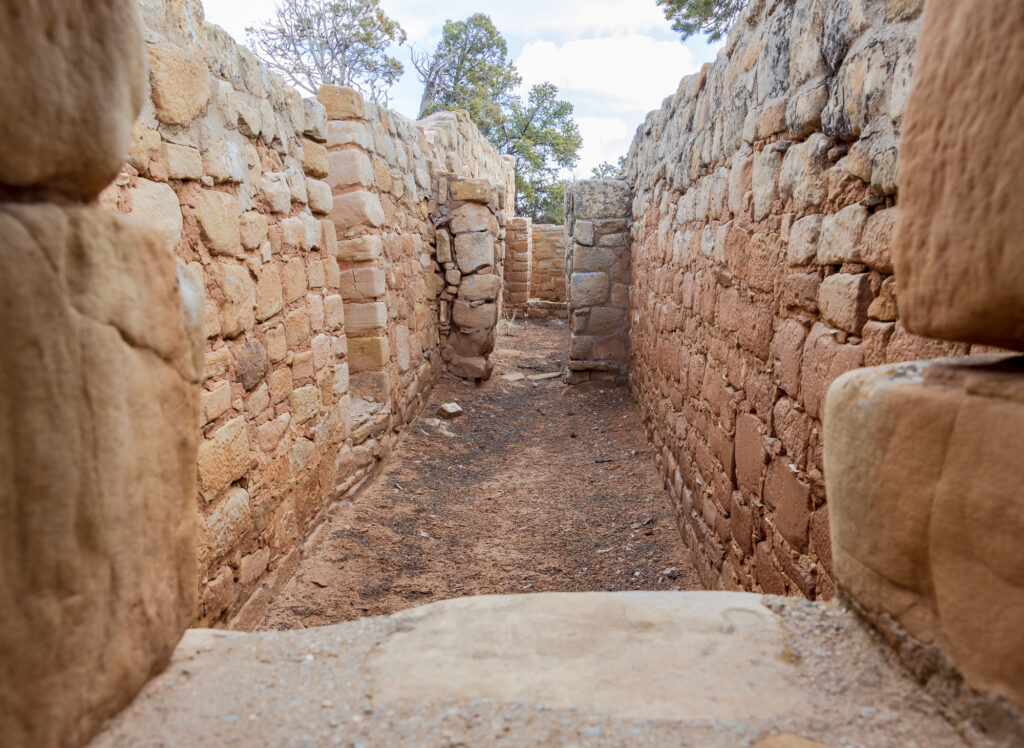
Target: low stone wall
308	223
765	203
548	280
518	263
597	226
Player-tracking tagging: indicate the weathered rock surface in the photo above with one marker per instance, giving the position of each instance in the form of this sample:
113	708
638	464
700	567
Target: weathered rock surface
98	461
75	77
959	250
923	468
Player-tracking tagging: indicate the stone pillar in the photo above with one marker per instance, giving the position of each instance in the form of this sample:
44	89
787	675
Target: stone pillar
470	247
103	352
923	460
598	217
519	263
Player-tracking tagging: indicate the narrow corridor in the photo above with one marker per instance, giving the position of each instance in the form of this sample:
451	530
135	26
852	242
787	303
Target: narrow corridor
537	487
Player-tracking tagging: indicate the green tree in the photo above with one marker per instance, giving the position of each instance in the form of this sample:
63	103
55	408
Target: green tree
331	42
470	69
608	170
711	17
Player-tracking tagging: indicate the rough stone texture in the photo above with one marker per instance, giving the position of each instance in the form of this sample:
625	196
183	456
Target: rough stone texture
964	128
597	246
97	497
548	281
764	199
266	187
931	447
647	669
518	263
74	81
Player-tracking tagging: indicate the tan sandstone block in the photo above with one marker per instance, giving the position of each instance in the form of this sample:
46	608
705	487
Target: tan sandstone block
933	448
341	102
98	455
349	168
474	251
368	354
475	190
156	204
75	82
269	293
238	310
224	457
362	249
480	288
469	317
959	244
180	82
365	319
217	214
354	209
844	300
182	161
314	159
252	229
473	217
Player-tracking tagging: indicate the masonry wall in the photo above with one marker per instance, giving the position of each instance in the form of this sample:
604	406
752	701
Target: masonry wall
765	200
314	242
547	281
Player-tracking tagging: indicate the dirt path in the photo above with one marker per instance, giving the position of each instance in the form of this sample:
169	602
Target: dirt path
537	487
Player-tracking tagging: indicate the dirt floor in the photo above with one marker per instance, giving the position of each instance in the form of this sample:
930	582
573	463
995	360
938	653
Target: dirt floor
537	487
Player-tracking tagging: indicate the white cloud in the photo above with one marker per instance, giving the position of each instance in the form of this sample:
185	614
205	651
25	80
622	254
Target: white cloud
620	74
604	139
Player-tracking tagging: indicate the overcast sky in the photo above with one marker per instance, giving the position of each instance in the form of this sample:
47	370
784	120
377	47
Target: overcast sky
615	60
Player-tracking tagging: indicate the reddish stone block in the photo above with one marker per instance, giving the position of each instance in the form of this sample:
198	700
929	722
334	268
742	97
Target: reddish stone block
749	454
755	328
742	524
821	541
824	360
787	354
770	578
790	501
800	292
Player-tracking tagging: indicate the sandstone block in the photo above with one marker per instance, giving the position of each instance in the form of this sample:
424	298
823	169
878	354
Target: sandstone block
958	245
100	402
750	454
68	113
933	448
365	319
844	300
156	204
251	364
824	360
583	233
803	240
214	403
790	501
354	209
321	201
276	192
444	246
364	284
252	229
765	180
224	457
876	243
480	288
314	159
180	82
341	102
305	403
474	251
348	168
588	289
470	367
841	234
600	198
228	522
217	214
604	321
368	354
182	161
470	317
473	217
238	310
340	132
362	249
475	190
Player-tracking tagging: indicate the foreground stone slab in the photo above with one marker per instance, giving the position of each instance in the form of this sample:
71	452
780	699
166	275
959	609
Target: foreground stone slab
636	668
99	401
924	477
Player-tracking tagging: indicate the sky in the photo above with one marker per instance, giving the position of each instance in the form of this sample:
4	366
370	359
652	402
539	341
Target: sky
614	60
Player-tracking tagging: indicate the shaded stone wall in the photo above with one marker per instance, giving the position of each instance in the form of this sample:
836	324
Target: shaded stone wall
765	203
518	262
597	228
313	241
547	282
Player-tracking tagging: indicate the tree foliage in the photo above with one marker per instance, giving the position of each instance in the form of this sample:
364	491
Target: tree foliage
470	69
608	170
711	17
331	42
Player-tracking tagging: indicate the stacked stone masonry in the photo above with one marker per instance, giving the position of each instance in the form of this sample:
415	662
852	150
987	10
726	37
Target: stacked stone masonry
469	249
765	204
597	229
308	224
547	281
518	263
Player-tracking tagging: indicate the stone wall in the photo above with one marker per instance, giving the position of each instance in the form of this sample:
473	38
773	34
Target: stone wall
765	202
597	229
102	331
518	263
547	282
312	237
